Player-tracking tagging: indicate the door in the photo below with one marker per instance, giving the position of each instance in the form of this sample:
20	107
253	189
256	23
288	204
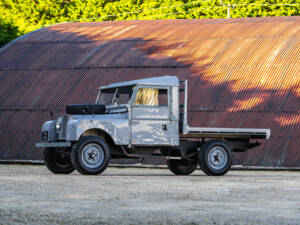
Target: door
150	118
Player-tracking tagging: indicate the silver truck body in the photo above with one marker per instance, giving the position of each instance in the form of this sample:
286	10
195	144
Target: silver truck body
138	119
141	125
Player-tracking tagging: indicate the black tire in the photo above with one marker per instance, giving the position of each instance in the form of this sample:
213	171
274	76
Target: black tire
215	157
58	162
85	109
90	155
181	167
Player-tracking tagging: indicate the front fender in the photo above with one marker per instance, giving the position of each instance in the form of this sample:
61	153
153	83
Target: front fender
117	129
49	126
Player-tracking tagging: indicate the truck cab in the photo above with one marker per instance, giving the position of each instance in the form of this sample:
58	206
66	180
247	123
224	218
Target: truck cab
137	119
150	109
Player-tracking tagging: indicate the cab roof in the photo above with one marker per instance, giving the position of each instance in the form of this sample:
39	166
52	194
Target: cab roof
161	81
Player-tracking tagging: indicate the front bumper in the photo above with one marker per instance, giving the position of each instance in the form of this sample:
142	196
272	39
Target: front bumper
53	144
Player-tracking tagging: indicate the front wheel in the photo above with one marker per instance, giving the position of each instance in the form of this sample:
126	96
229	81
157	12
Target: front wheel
91	155
215	158
58	161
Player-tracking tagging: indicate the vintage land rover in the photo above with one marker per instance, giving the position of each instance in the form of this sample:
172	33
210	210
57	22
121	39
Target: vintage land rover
136	119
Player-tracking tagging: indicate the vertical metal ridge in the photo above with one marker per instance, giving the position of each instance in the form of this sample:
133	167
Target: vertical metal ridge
241	73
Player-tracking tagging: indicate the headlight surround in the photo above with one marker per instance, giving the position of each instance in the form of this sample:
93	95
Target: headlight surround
45	135
58	124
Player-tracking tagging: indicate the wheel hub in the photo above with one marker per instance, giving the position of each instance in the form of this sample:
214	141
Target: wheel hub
92	155
217	157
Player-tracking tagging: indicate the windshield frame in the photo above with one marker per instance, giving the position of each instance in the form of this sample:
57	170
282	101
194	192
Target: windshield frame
116	91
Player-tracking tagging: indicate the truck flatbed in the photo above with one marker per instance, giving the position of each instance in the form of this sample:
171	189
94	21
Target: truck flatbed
215	132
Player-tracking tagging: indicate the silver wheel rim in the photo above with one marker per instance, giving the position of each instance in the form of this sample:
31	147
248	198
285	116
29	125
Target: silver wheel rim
217	158
92	155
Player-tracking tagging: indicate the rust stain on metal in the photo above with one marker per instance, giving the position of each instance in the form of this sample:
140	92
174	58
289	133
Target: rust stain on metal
242	72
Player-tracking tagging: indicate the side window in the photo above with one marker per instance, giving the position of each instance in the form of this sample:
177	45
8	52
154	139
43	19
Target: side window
163	97
152	97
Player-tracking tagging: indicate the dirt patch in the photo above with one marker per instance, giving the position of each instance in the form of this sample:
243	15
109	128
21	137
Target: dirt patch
32	195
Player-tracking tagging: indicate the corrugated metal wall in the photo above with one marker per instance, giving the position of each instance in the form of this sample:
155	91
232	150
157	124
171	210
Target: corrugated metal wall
241	72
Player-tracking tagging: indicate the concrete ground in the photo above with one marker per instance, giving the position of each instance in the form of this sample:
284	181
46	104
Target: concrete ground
32	195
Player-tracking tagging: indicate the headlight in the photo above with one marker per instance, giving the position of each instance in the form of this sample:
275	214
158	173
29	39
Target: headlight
57	125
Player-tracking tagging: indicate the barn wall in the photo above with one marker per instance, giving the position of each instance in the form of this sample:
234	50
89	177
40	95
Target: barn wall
241	72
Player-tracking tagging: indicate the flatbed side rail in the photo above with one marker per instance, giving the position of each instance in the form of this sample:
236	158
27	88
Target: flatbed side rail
230	132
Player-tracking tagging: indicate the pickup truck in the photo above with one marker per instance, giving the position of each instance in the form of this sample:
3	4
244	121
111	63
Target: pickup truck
137	119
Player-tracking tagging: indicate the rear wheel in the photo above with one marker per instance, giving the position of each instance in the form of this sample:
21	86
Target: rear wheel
215	158
91	155
58	161
182	166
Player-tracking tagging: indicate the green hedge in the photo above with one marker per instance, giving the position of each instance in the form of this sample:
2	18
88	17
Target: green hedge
7	32
18	17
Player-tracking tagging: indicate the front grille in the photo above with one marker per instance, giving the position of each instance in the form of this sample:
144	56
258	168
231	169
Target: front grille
64	126
45	135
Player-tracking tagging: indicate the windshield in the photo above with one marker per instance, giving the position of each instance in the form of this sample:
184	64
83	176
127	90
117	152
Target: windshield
115	96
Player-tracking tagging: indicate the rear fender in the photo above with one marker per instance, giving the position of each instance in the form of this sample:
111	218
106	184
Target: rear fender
242	147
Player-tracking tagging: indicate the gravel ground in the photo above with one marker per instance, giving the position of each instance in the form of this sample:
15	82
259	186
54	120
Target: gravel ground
32	195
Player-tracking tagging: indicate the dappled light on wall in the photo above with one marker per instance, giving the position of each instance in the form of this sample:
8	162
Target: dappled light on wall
288	120
241	73
246	104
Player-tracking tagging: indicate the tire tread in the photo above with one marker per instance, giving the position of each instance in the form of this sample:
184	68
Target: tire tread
75	154
51	165
173	167
86	109
203	160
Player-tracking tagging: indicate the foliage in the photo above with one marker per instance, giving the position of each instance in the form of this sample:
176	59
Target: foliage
8	32
18	17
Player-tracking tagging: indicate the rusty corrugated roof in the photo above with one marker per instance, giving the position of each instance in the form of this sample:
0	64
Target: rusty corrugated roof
242	72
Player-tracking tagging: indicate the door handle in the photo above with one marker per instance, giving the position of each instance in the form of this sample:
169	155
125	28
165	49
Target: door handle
134	122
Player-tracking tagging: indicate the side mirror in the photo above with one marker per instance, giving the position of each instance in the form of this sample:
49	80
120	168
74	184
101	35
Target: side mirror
51	114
